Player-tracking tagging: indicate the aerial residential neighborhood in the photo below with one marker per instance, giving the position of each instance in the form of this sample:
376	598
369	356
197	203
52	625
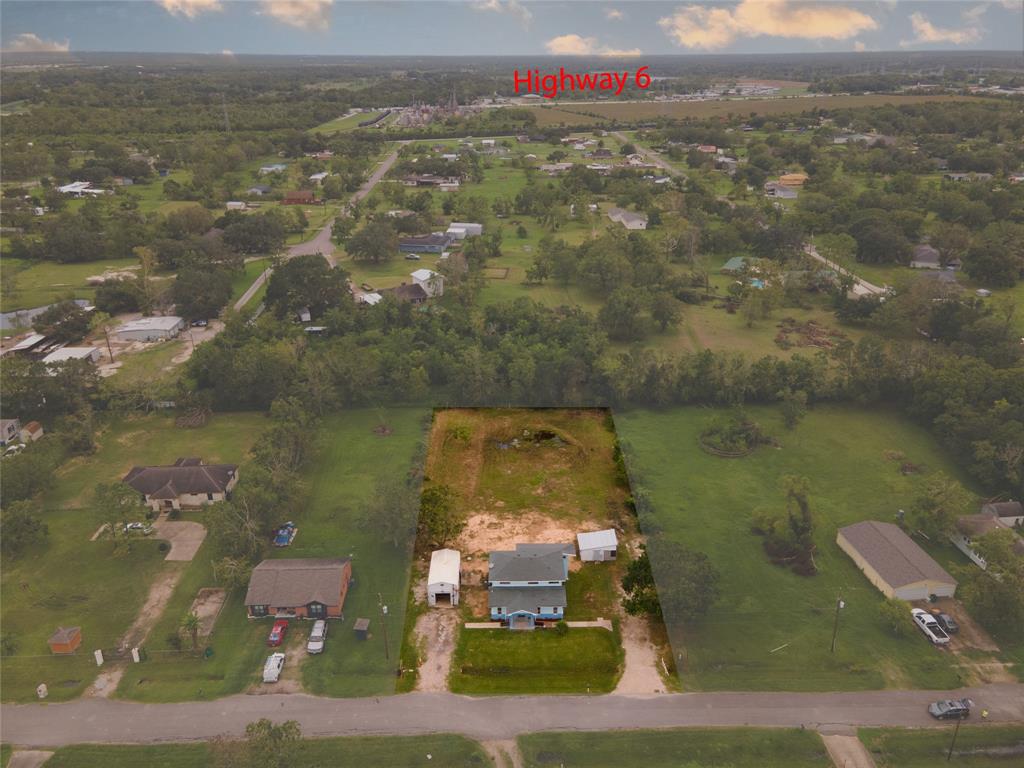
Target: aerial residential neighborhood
512	384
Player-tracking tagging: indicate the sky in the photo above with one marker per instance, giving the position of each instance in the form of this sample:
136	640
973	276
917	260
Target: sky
509	27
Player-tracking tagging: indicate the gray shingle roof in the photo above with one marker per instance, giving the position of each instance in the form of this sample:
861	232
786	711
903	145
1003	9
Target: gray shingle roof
184	476
893	554
291	582
535	562
1004	508
526	598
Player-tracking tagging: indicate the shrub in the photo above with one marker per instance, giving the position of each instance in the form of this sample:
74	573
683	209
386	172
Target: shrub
561	629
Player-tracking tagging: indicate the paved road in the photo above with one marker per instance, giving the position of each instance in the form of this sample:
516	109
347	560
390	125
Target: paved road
321	242
498	717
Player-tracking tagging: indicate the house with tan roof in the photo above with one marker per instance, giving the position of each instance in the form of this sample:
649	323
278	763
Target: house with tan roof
893	562
303	588
995	516
188	482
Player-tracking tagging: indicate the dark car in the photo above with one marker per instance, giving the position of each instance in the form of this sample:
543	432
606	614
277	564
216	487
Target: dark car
199	323
950	709
277	633
948	623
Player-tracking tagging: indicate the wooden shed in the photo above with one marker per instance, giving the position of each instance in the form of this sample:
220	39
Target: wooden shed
65	640
362	628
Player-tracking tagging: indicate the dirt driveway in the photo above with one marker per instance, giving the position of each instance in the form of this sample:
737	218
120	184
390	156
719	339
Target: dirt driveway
436	631
184	536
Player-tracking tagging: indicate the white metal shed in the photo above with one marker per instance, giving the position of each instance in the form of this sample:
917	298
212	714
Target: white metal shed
445	574
598	546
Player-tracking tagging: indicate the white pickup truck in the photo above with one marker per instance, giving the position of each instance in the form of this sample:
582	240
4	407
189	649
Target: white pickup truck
272	669
930	626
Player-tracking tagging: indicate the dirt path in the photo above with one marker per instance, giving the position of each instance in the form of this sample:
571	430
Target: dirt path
640	673
504	753
436	631
28	758
847	751
159	594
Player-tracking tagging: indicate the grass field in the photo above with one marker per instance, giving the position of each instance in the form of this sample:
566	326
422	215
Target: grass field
350	752
572	114
676	748
344	123
241	281
976	746
497	661
352	460
706	503
43	282
69	580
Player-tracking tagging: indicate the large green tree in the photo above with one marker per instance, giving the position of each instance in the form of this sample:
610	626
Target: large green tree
307	282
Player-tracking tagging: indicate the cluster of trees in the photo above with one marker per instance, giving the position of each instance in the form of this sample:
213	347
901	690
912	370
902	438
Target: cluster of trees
789	535
688	583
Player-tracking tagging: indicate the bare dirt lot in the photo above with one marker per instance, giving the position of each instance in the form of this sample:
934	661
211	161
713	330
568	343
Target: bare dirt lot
207	607
436	631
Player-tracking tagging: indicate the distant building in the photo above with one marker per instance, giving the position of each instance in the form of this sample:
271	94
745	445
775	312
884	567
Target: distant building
235	205
793	179
554	169
65	640
65	354
31	432
317	178
150	329
259	190
274	168
774	189
9	429
925	257
431	282
436	242
299	197
628	219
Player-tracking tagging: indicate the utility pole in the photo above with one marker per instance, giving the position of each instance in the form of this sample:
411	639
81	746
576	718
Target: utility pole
835	625
952	745
384	625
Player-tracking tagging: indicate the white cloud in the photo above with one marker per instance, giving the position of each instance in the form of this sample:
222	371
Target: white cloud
190	8
29	42
697	26
511	7
925	32
227	52
576	45
304	14
614	14
1013	5
859	47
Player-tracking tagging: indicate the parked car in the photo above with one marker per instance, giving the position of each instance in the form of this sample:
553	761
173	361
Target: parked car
948	623
317	637
13	450
283	536
277	633
366	286
950	709
412	257
272	669
200	323
144	528
928	624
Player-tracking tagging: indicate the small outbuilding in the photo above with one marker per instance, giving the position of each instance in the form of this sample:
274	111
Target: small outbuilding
598	546
444	577
893	562
65	640
361	628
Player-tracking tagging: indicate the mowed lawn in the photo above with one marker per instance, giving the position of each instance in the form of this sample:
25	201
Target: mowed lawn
352	459
499	661
771	629
344	752
976	746
68	580
676	748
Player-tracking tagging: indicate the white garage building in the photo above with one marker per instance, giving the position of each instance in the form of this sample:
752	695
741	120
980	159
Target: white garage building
150	329
597	545
445	574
